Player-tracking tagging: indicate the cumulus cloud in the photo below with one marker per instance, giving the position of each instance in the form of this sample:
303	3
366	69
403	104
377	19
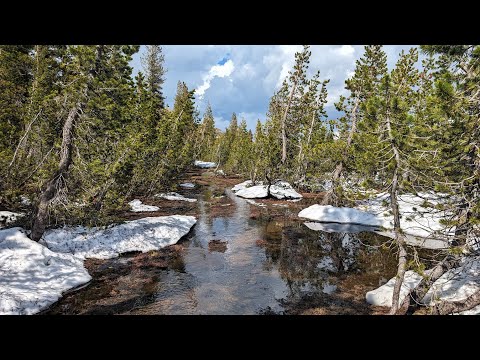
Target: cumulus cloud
345	50
221	70
244	77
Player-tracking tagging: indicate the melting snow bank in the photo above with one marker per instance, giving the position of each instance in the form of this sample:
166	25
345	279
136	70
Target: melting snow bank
337	227
174	196
137	206
279	190
151	233
204	164
283	190
8	217
455	285
420	220
253	192
31	276
419	217
328	213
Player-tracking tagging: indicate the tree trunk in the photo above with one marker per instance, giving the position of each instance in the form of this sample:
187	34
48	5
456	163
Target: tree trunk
302	167
284	120
413	301
40	218
399	238
330	195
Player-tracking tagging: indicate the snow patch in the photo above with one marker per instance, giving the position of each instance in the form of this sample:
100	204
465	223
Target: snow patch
415	219
253	192
279	190
420	224
151	233
382	296
137	206
174	196
455	285
283	190
328	213
244	185
31	276
204	164
187	185
8	217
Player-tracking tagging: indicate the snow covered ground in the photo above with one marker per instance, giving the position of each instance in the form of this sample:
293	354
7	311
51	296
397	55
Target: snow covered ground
455	285
244	185
382	296
283	190
8	217
143	235
187	185
415	219
253	192
204	164
137	206
31	276
34	275
420	224
328	213
279	190
174	196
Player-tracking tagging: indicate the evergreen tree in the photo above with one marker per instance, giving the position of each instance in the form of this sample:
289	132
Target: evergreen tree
153	65
206	138
364	84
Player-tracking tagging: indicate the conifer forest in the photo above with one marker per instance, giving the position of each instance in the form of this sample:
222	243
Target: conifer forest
114	200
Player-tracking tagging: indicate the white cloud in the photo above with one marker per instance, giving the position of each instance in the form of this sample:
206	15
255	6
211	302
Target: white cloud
345	50
334	95
220	71
246	82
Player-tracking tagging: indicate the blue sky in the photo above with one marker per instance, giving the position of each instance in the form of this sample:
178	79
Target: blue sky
242	78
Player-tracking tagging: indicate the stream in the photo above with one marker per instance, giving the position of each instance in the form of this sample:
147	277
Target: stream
257	264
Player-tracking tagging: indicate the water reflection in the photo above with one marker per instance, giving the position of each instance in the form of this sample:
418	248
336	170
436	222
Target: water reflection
270	264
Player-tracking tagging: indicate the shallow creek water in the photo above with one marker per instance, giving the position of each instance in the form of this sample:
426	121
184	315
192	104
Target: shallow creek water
259	265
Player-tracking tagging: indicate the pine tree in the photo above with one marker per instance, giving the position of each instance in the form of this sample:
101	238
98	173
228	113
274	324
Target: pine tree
16	66
206	137
153	65
364	84
389	121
